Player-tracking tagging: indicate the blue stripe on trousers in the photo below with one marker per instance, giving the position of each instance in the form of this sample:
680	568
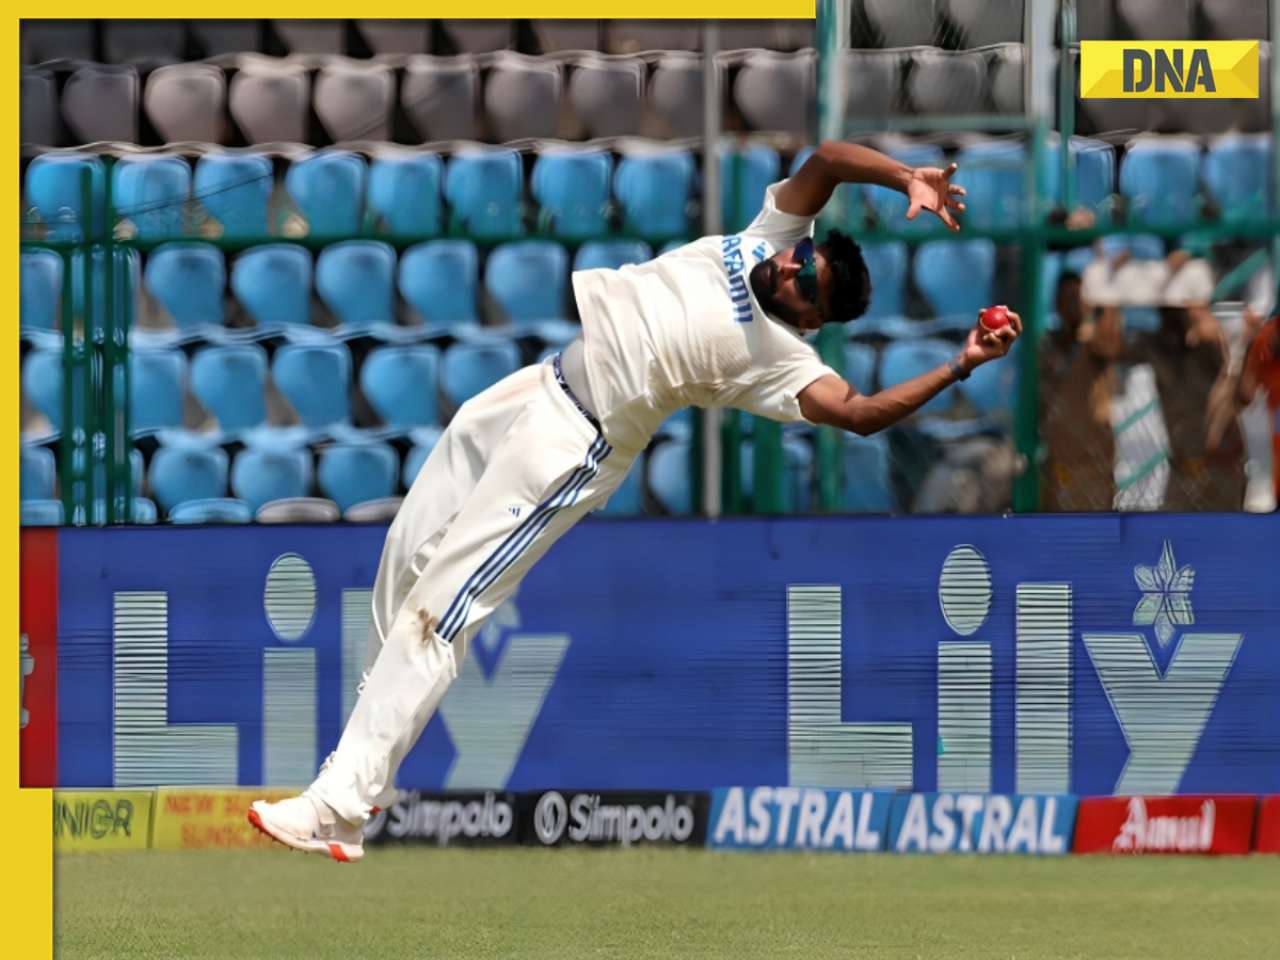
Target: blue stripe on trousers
519	539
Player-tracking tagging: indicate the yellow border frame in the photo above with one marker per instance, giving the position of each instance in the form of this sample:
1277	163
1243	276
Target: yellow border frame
26	815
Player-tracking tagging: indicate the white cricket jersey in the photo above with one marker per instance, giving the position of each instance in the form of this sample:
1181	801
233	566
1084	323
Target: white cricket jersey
684	329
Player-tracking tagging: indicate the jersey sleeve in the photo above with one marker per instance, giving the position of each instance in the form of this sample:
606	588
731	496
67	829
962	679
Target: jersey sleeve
774	390
779	228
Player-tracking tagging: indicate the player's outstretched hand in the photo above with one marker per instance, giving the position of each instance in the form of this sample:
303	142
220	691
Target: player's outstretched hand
931	189
983	344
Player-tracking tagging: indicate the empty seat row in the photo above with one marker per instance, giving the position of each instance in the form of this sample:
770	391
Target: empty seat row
479	191
171	41
512	97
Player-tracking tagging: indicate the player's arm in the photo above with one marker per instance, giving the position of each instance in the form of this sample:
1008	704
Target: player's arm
1226	405
831	401
834	163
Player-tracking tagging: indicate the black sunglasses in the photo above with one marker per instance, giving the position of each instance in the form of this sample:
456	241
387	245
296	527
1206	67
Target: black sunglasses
807	277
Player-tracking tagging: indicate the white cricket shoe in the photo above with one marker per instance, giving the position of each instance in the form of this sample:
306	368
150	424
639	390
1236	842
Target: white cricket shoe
307	824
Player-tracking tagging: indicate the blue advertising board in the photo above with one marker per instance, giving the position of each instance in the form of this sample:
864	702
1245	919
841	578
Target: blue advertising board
981	823
1022	655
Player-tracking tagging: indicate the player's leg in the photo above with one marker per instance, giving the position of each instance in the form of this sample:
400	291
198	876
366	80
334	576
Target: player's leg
548	469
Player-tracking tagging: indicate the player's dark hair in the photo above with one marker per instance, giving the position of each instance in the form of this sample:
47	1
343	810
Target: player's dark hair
850	279
1065	277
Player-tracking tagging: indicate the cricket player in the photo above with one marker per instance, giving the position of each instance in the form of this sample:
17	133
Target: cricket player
722	321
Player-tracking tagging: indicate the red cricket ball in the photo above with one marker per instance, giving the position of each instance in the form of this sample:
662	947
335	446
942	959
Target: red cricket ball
993	318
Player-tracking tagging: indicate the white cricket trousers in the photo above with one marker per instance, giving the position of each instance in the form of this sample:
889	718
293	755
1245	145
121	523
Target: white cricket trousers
518	465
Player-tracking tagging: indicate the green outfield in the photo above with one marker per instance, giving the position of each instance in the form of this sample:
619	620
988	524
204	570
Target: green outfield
455	904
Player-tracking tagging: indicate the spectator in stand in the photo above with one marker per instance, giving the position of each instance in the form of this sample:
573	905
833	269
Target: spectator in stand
1077	381
1260	373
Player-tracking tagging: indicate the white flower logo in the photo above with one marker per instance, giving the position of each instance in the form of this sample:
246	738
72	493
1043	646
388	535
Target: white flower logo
1166	595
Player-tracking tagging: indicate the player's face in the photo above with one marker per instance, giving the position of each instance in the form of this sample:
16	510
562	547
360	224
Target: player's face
792	285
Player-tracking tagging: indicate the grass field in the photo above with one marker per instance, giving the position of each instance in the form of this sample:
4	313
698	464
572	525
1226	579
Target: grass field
561	904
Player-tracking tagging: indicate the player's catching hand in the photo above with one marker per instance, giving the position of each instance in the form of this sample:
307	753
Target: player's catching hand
985	344
930	188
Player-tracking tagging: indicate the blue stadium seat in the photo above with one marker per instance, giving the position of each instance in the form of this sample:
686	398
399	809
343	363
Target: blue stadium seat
404	192
188	280
956	276
890	206
230	382
887	264
68	191
628	499
654	190
669	475
484	189
994	176
40	291
860	366
611	253
211	510
328	188
528	279
234	188
439	279
797	474
1095	174
1139	246
990	387
1237	170
152	192
352	473
259	476
867	486
187	472
356	280
41	380
1160	176
469	368
755	168
903	359
155	389
273	281
572	189
41	513
37	471
672	245
400	382
144	512
316	379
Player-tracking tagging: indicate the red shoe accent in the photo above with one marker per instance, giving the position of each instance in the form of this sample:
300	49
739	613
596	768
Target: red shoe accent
335	851
374	811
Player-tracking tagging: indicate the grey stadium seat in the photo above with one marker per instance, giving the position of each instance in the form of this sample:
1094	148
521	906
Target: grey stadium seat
1234	19
312	36
1005	74
396	36
605	94
1094	20
439	96
557	35
1154	19
943	82
38	113
143	41
751	35
214	38
903	24
675	93
522	97
354	100
987	21
187	102
872	83
1255	115
299	510
100	102
44	40
270	100
773	91
634	36
479	36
